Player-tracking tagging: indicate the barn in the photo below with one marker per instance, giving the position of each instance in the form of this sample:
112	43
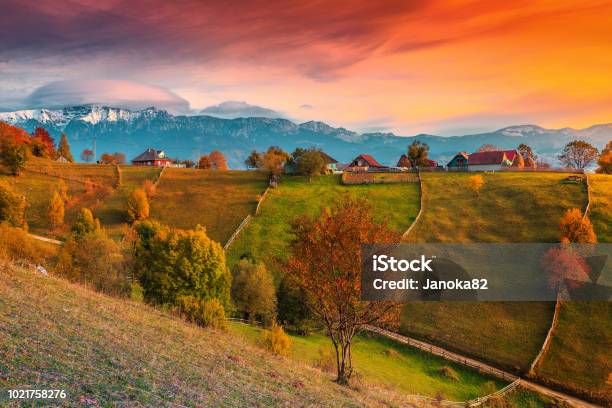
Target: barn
152	157
491	161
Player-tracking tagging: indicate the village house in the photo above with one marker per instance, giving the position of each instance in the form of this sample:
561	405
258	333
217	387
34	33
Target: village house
491	161
365	162
152	157
331	164
459	162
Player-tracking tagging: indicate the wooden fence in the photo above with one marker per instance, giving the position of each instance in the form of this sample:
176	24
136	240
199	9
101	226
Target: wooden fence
235	234
421	205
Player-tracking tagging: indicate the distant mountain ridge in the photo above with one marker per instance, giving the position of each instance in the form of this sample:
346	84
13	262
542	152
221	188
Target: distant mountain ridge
186	137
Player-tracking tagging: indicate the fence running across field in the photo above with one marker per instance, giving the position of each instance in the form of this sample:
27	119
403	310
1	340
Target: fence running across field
235	234
421	204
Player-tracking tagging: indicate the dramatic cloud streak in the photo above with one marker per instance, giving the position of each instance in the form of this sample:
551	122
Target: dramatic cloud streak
121	94
422	63
239	109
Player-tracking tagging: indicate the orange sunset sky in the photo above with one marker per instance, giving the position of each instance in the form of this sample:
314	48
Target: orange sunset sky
445	67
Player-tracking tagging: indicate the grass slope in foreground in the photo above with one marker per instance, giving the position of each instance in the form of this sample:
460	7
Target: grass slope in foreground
113	212
511	207
217	200
399	367
579	355
105	351
268	234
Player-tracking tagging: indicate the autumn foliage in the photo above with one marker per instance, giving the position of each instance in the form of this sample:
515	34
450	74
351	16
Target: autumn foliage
325	262
476	182
576	229
564	265
217	160
138	205
55	211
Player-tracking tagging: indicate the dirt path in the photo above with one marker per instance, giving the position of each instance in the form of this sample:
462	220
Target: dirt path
45	239
483	368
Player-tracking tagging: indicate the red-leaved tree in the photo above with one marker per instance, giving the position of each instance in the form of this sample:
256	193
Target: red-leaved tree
326	263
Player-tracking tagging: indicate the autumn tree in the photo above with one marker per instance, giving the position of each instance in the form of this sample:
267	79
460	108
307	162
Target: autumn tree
12	206
252	162
488	147
204	163
519	161
476	182
42	144
564	265
325	262
87	155
217	160
418	153
84	224
273	160
14	156
171	263
138	205
526	151
293	310
576	229
605	160
253	291
578	154
310	163
112	158
63	148
55	211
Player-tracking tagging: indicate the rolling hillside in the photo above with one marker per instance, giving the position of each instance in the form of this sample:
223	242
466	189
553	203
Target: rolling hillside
105	352
267	236
509	208
217	200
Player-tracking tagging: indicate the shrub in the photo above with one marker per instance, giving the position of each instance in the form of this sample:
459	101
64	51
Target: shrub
253	291
149	188
326	360
449	373
15	244
476	182
62	189
138	205
85	224
213	314
293	310
14	156
207	313
576	230
276	340
97	261
171	263
12	206
55	212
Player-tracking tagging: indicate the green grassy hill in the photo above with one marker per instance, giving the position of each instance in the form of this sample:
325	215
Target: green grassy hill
579	355
511	207
106	352
268	234
217	200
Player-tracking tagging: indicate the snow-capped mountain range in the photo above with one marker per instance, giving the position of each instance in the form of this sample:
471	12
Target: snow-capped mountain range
188	136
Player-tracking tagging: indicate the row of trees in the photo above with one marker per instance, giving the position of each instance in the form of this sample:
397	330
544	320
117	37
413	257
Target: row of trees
213	161
16	146
308	162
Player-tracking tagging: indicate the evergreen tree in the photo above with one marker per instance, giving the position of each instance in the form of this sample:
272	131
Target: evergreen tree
64	148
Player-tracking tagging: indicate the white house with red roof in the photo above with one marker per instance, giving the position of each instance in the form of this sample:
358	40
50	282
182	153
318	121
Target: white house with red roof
491	161
152	157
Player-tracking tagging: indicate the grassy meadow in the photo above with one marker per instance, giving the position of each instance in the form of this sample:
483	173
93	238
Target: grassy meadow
105	352
217	200
268	234
105	175
579	355
511	207
390	365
